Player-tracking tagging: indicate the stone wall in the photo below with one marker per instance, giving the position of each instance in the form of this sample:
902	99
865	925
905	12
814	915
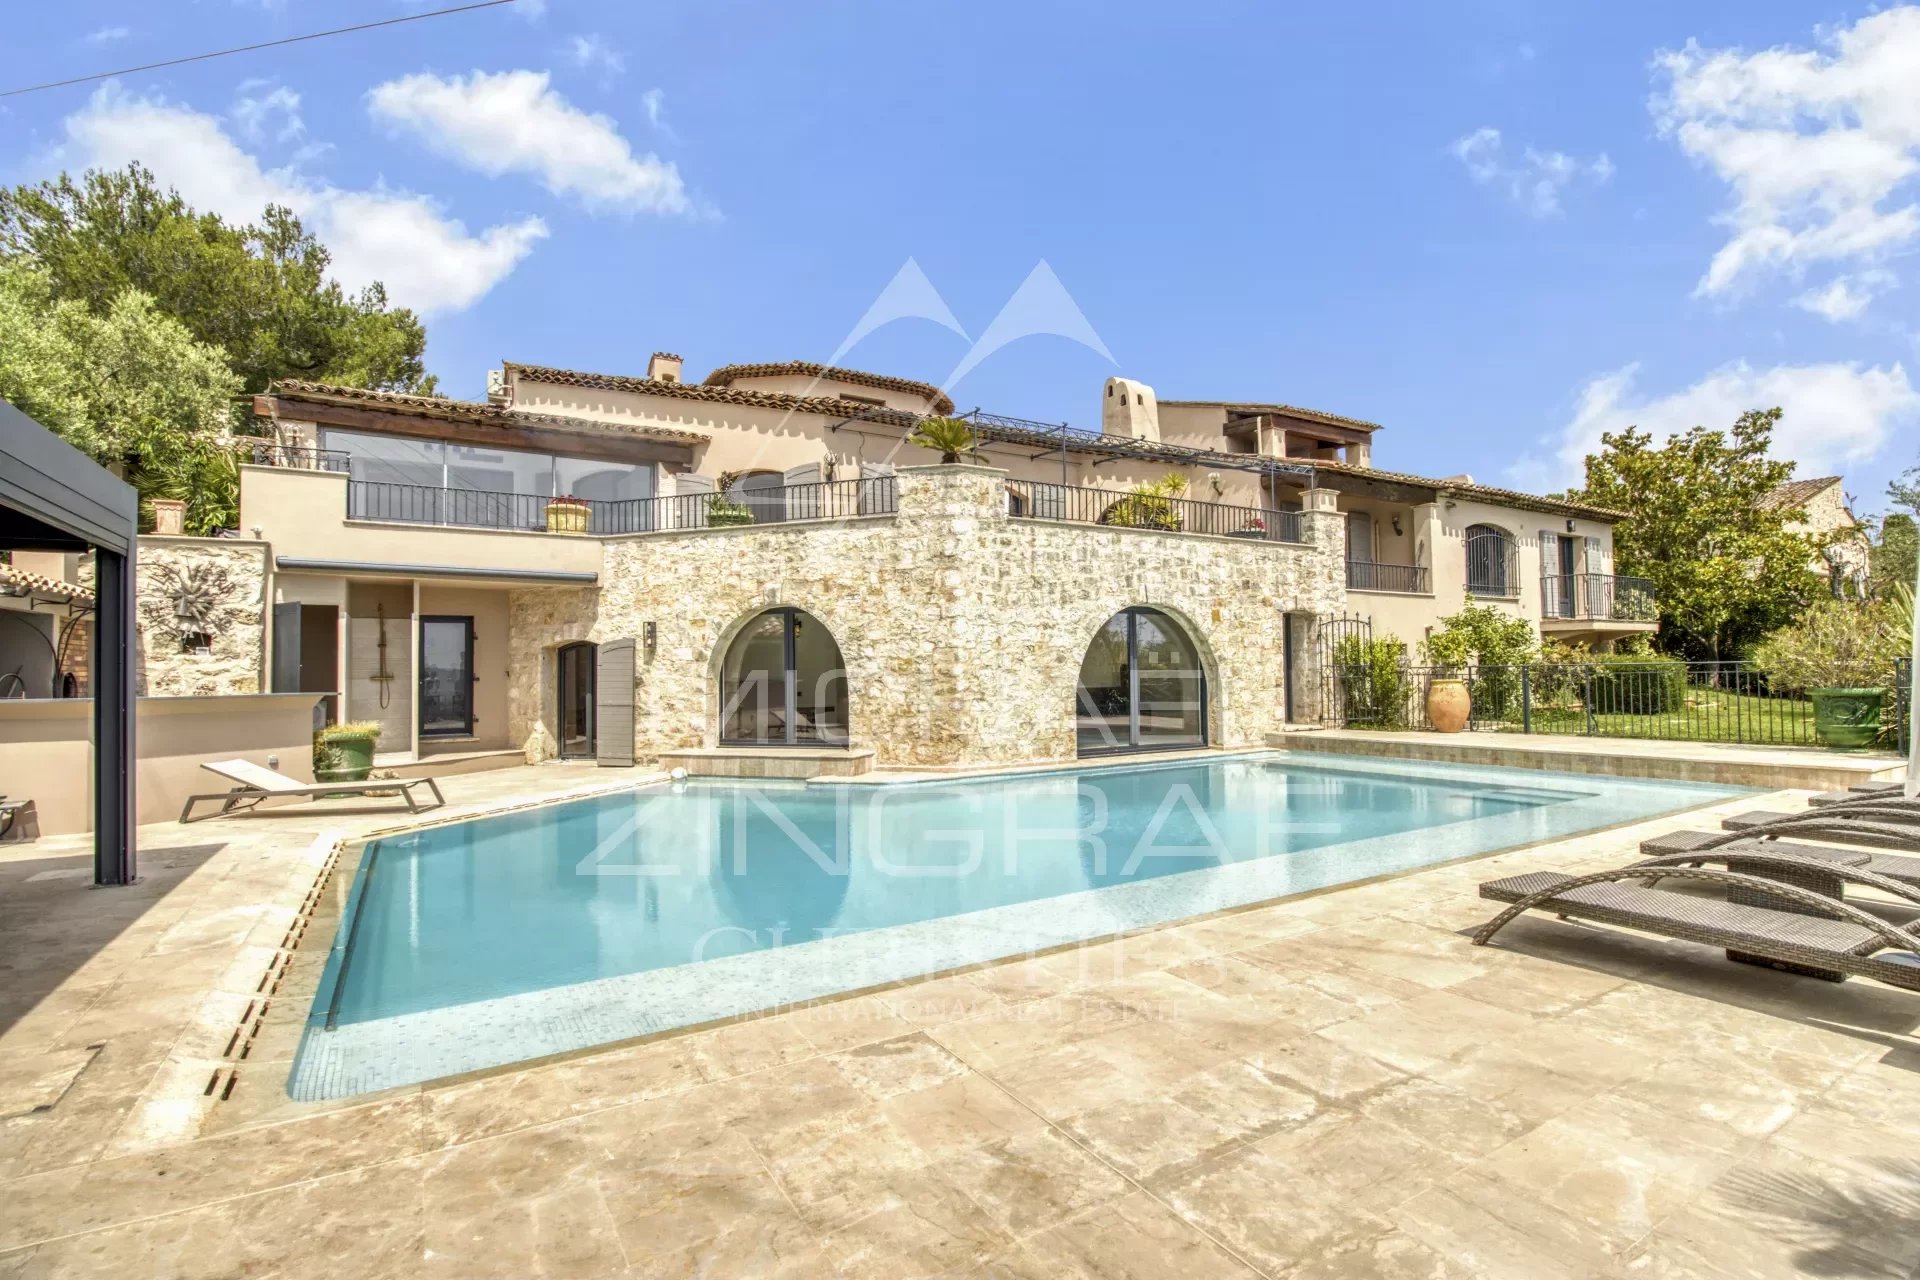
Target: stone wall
962	629
232	573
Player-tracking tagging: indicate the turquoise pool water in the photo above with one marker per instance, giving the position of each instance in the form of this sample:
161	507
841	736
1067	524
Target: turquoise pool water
525	934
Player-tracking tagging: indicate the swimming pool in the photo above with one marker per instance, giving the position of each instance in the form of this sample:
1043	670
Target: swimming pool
499	939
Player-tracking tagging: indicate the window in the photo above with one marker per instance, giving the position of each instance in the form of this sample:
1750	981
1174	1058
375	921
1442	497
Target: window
1141	686
782	683
441	464
1492	563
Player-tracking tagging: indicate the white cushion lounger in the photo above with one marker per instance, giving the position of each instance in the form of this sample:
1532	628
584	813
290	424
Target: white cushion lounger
257	783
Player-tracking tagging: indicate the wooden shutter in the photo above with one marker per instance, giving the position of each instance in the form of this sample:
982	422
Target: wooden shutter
804	498
692	496
286	649
1359	537
613	703
877	494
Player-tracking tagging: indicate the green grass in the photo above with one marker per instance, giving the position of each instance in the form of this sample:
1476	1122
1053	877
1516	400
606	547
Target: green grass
1710	715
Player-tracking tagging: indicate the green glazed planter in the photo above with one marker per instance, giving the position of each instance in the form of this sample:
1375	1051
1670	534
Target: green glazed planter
1847	717
353	760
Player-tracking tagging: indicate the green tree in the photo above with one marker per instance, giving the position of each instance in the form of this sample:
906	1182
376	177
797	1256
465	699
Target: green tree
259	292
1724	566
1906	490
1891	562
131	387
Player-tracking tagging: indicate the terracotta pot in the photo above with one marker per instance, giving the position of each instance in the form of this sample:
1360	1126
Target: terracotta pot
1448	706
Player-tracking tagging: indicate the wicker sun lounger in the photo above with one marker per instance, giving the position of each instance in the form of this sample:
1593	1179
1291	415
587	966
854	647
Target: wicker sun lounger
1717	846
257	783
1865	793
1833	937
1879	827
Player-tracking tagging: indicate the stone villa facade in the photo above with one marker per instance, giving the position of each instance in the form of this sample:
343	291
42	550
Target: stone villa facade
759	566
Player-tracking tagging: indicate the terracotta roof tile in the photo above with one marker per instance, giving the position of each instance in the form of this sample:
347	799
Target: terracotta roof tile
470	411
1489	493
1289	410
727	374
826	406
1797	493
41	585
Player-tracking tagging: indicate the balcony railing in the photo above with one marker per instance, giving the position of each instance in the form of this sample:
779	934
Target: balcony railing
1038	500
1405	579
478	509
265	453
1598	597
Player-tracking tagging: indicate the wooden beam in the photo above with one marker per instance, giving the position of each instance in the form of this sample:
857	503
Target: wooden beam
609	446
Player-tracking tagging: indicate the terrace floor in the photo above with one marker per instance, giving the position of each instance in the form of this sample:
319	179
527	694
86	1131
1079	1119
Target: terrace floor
1338	1085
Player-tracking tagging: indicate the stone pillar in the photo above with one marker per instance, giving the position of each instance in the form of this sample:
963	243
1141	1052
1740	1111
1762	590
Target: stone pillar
1322	523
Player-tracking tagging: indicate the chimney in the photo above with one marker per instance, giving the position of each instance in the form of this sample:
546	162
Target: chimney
664	367
1129	409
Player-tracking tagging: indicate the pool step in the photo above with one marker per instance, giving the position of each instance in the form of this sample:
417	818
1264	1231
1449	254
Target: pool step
794	763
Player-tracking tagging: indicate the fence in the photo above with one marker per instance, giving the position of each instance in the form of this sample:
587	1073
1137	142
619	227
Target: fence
479	509
1664	699
1039	500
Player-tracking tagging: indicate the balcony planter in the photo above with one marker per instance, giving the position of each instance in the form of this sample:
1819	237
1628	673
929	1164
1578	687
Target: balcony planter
1847	717
344	752
1253	528
1449	706
568	515
722	514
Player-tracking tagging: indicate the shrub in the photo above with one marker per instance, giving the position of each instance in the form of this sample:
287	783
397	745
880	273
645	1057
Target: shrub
1495	644
1632	685
1148	506
1373	680
1834	644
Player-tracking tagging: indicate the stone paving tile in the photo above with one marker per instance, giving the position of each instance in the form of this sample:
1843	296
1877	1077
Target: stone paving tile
1336	1086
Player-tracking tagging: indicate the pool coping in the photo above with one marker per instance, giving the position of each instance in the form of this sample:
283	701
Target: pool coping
440	1026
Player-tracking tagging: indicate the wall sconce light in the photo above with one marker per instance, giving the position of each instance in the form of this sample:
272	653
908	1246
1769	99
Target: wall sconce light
1570	526
1213	478
650	637
1397	530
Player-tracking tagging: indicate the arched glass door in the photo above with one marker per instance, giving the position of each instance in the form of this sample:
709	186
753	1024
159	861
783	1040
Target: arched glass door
1141	687
782	684
575	700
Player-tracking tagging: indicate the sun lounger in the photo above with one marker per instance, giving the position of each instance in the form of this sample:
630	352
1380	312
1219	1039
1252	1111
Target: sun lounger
257	783
1878	828
1717	846
1836	936
1895	791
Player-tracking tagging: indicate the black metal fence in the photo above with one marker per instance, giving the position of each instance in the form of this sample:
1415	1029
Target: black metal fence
1665	699
1075	504
266	453
1404	579
478	509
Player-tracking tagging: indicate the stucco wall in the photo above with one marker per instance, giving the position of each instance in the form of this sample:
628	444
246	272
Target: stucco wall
235	570
962	629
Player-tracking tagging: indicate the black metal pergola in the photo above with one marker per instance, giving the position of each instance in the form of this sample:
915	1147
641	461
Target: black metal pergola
55	498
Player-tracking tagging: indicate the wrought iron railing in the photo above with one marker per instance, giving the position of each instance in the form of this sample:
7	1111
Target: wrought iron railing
1074	504
266	453
1602	597
1608	697
1405	579
477	509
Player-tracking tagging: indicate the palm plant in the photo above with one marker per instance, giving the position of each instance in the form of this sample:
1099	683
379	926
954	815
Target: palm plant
949	437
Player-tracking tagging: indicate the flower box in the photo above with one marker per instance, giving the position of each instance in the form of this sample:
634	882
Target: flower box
568	515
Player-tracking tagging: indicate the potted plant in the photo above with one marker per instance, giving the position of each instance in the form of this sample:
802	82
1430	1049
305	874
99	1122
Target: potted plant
344	752
722	511
1840	653
1255	527
949	437
1495	645
568	515
1149	505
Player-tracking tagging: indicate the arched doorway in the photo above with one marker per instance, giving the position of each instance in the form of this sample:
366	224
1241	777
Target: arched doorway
782	683
573	721
1141	687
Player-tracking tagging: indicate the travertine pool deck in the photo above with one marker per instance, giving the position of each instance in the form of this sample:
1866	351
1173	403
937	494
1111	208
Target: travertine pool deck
1338	1085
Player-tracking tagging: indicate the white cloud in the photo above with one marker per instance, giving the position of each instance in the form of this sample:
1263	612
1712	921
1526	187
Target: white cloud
259	102
1845	297
593	53
1813	145
106	35
1834	414
1536	180
514	122
427	260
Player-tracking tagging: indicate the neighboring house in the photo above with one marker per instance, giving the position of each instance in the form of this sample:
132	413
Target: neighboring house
623	568
1818	506
44	633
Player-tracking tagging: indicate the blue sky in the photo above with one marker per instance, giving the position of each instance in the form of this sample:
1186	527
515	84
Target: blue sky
1496	228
